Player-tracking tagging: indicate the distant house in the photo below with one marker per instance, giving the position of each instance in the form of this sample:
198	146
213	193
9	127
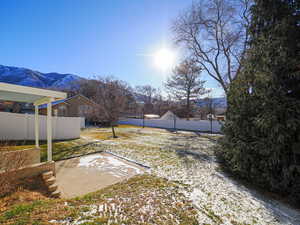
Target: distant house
16	107
210	116
75	106
220	117
151	116
169	115
7	106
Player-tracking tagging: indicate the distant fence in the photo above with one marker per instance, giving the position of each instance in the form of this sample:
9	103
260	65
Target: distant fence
180	124
15	126
82	122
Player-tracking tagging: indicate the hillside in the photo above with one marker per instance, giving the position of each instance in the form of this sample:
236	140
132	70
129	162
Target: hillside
28	77
220	102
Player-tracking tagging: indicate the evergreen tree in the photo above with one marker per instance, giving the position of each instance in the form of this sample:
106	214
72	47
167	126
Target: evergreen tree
262	131
185	84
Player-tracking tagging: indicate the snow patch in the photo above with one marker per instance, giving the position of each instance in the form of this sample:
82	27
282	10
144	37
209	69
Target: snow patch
109	164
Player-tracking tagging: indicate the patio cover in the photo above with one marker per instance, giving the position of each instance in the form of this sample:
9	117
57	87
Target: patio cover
37	96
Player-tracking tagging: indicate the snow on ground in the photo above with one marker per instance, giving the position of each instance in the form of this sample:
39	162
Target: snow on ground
143	199
109	164
189	159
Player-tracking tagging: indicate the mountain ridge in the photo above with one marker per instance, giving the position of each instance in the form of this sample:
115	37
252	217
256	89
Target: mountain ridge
33	78
219	102
53	80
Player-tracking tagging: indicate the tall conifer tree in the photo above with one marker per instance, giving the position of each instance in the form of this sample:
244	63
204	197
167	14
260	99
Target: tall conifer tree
262	131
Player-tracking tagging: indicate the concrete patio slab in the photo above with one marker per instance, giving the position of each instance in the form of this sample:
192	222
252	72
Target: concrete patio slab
82	175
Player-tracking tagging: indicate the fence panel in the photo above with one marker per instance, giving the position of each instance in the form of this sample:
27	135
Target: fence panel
14	126
181	124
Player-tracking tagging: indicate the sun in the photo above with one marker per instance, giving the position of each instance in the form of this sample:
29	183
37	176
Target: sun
164	59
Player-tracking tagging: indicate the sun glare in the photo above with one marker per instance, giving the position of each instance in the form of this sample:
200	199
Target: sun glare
164	59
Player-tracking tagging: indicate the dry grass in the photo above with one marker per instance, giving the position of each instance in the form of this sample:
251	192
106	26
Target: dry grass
140	200
61	149
98	134
15	145
70	148
128	126
29	189
106	134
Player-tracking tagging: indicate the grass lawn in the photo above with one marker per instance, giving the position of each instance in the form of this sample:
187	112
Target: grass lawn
142	199
71	148
186	186
189	158
61	149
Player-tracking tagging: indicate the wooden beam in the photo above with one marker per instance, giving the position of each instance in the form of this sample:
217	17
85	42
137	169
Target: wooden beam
43	101
49	131
36	125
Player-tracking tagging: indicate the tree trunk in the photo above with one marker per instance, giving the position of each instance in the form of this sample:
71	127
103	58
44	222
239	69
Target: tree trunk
188	107
113	131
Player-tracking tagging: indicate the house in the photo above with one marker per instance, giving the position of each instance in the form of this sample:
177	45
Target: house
210	116
220	117
75	106
8	106
169	115
151	116
16	107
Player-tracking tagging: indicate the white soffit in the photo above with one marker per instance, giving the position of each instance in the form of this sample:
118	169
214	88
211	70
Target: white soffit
18	93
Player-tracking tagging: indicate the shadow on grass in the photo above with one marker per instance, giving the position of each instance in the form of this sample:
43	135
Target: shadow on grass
279	206
70	152
184	148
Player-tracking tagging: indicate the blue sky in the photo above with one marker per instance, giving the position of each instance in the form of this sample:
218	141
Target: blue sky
90	37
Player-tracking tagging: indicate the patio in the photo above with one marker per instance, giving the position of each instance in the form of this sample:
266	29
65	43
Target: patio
82	175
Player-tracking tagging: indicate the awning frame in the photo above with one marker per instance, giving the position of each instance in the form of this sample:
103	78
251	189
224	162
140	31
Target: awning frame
37	96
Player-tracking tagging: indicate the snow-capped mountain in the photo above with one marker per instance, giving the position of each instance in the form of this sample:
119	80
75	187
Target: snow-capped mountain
217	102
27	77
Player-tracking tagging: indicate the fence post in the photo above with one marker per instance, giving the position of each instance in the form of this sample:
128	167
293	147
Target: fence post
175	123
143	119
27	126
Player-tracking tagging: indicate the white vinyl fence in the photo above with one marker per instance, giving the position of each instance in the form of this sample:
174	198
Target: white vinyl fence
15	126
180	124
82	122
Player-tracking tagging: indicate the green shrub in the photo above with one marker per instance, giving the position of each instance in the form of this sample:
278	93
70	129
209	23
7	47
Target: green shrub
262	131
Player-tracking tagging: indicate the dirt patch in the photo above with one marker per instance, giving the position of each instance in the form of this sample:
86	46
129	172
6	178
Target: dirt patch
29	189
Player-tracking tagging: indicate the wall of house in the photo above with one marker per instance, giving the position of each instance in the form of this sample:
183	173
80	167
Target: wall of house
14	126
181	124
61	109
74	105
72	108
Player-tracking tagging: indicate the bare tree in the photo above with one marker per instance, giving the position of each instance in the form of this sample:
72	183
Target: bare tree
160	104
146	93
185	84
215	34
112	95
88	88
